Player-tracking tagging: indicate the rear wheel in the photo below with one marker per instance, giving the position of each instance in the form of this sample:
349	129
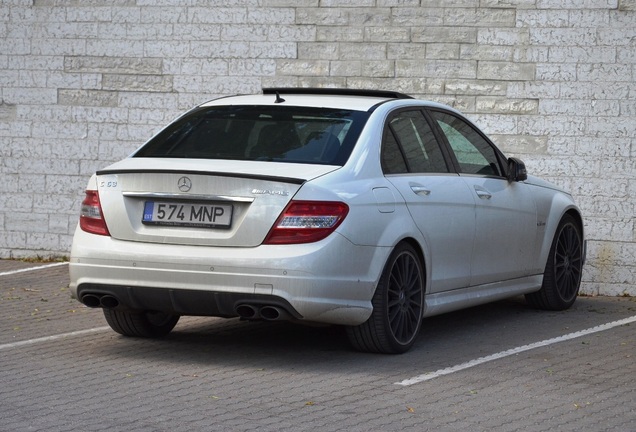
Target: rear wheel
398	305
562	276
140	324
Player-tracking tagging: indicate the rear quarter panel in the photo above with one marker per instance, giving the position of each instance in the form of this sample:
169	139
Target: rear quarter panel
377	220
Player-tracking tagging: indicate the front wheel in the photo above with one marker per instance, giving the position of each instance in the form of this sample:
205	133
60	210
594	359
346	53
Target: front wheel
140	324
562	276
398	306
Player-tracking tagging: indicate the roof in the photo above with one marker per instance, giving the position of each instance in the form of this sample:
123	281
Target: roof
353	99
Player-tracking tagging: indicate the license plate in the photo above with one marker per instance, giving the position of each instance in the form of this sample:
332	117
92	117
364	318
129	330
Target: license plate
198	215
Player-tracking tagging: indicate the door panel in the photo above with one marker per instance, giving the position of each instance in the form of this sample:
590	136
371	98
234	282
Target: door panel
506	227
443	209
506	216
440	202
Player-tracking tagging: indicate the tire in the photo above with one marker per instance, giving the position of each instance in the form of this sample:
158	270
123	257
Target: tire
398	306
562	276
140	324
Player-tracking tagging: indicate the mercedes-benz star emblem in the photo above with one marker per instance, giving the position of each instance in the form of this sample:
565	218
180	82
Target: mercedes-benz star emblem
185	184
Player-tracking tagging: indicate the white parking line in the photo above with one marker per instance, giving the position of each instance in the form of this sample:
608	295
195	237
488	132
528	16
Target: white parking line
441	372
33	268
52	338
46	338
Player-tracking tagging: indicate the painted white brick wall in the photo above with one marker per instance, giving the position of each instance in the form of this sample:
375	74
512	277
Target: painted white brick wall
85	82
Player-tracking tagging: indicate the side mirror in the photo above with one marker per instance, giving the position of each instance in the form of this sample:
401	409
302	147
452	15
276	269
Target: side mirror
517	170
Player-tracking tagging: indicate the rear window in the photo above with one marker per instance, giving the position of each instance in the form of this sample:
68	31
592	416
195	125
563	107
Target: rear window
281	134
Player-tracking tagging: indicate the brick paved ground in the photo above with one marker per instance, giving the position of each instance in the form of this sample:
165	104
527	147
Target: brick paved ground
214	374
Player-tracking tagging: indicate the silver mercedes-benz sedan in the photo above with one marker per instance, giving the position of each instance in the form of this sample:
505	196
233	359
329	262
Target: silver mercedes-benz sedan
366	209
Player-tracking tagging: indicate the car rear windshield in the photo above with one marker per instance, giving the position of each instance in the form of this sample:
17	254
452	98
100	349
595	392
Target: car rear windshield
281	134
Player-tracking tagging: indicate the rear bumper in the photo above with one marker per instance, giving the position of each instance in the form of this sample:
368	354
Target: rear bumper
181	301
331	281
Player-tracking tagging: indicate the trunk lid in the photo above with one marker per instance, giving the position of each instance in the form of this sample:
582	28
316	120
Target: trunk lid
198	201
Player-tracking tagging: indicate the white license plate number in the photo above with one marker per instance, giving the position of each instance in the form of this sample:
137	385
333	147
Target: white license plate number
198	215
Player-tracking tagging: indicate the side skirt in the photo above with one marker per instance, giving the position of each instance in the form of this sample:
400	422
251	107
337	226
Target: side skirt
452	300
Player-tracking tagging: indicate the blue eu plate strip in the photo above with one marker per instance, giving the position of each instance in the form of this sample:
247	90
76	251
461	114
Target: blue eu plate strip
148	210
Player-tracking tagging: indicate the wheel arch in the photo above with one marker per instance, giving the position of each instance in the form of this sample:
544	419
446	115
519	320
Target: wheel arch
578	218
552	226
411	241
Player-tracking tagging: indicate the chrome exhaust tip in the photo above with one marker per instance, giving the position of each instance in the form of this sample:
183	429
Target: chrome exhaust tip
108	302
247	311
91	300
273	313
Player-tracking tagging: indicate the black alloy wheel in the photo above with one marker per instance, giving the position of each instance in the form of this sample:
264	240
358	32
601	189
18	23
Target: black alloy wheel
562	276
398	306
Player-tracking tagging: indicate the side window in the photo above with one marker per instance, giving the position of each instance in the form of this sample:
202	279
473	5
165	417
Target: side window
474	154
418	149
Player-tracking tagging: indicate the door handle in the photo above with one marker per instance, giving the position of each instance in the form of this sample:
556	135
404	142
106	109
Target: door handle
420	190
482	193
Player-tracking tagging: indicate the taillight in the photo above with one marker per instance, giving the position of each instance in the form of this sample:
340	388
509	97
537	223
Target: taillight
91	217
306	222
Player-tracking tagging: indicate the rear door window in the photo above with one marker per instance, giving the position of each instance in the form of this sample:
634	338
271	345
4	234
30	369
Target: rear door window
410	145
